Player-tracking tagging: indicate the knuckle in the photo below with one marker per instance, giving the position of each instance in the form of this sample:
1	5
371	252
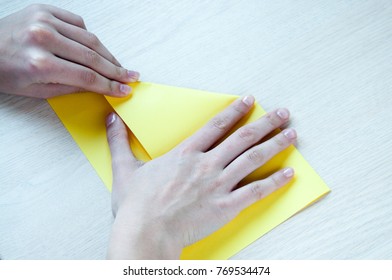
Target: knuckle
79	90
218	183
256	156
208	168
257	191
279	141
276	181
224	204
92	58
272	120
239	107
226	210
93	40
39	34
112	87
205	167
120	72
185	149
220	123
42	16
88	77
38	64
115	135
247	133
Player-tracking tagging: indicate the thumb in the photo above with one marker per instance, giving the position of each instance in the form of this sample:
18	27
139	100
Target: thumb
123	160
117	135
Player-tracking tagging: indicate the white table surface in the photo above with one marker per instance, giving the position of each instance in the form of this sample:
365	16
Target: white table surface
329	62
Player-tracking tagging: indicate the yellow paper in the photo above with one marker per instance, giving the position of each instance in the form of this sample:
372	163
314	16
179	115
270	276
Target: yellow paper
160	117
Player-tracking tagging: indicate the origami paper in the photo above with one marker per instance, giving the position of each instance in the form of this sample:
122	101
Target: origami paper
159	117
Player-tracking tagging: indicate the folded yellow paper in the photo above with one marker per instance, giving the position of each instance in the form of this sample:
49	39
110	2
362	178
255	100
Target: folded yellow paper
159	118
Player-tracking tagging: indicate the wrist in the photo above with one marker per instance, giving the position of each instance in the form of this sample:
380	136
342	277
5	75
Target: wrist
137	238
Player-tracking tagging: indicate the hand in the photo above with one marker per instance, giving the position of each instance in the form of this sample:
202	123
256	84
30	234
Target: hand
46	51
170	202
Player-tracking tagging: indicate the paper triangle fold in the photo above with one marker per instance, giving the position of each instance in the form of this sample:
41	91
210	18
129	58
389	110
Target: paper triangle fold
160	117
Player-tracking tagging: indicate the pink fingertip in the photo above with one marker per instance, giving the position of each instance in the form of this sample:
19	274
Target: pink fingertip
111	118
133	76
125	89
290	133
248	100
288	172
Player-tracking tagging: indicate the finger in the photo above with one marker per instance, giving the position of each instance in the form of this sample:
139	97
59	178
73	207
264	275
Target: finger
257	156
85	38
66	16
247	195
49	90
75	52
123	160
218	126
248	135
72	74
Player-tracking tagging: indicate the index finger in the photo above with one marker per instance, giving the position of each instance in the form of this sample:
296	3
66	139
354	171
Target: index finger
72	26
86	38
68	73
218	126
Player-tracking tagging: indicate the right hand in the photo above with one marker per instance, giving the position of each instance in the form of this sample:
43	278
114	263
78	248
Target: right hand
172	201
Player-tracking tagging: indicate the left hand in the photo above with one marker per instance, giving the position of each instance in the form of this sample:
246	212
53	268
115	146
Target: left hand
47	51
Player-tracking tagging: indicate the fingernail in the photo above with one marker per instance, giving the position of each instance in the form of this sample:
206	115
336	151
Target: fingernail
290	133
288	172
283	113
110	119
248	100
133	76
125	89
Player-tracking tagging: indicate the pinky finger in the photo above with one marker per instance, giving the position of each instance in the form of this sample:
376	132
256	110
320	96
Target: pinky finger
49	90
255	191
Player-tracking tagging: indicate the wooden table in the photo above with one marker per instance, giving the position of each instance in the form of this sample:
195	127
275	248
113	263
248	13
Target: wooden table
329	62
